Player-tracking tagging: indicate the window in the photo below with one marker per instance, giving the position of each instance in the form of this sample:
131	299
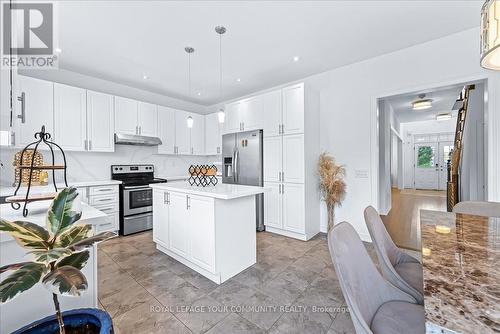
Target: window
425	158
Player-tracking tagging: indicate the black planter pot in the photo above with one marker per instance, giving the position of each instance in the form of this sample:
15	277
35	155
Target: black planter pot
96	320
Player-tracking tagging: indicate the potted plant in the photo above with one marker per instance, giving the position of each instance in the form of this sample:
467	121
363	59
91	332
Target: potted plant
58	255
332	184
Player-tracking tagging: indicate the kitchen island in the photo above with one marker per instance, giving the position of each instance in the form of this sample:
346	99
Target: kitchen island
36	303
211	230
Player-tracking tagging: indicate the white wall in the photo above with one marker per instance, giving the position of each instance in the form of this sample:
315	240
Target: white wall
408	130
348	109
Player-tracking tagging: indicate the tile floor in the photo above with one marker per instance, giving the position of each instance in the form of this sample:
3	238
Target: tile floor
291	289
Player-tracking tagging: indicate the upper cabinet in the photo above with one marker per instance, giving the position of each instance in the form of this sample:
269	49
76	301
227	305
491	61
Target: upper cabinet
126	116
251	113
166	130
271	105
70	117
34	107
293	109
182	133
147	119
232	122
213	136
100	122
198	135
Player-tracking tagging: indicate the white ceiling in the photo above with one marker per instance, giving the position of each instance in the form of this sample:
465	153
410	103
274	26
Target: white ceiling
442	102
122	41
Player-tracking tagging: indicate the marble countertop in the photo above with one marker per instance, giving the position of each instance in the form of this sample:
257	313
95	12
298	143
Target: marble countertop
38	213
461	264
9	191
220	191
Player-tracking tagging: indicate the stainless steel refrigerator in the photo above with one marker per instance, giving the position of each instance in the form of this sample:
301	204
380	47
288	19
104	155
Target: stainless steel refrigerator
242	163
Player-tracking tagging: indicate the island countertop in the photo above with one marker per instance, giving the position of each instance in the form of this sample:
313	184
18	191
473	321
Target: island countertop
220	191
461	257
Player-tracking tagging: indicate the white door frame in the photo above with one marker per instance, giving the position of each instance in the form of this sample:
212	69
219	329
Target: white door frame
492	122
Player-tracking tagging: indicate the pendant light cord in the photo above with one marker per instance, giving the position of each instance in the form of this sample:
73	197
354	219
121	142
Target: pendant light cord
189	74
220	66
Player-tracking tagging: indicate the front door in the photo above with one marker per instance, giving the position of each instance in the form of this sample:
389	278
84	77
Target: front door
444	155
426	166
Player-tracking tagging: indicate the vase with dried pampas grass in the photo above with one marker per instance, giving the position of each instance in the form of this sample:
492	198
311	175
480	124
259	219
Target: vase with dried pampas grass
332	184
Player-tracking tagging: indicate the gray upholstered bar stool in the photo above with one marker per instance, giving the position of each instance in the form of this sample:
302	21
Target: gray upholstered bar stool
376	306
477	208
399	268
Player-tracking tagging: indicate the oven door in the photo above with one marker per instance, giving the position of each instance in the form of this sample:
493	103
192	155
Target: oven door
137	199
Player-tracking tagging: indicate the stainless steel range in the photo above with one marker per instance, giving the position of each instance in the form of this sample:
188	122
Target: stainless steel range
136	197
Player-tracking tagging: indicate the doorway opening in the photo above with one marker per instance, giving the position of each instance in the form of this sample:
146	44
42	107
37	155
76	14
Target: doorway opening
416	137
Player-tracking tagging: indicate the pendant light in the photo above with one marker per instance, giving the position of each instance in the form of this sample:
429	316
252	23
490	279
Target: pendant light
189	50
221	115
490	35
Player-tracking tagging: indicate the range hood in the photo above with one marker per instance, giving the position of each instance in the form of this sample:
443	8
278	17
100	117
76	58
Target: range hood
126	139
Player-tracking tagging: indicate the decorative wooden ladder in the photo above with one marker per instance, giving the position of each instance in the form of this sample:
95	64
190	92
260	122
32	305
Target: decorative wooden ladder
453	186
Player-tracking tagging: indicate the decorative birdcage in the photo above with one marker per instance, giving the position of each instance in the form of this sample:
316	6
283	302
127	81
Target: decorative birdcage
29	165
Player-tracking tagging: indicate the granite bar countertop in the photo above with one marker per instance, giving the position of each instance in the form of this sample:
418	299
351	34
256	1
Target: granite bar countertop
461	264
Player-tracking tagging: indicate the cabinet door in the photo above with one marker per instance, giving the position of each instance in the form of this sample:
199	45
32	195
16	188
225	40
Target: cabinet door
178	224
293	207
182	132
148	119
272	205
70	117
38	109
166	130
293	109
202	231
232	119
293	158
272	113
251	113
126	116
212	134
100	122
198	135
160	217
272	158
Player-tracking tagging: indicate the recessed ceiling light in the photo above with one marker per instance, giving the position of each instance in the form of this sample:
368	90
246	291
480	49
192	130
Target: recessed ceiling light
442	117
199	93
421	103
296	58
239	80
58	50
145	77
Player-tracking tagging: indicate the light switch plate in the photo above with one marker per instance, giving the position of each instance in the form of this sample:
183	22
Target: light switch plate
361	173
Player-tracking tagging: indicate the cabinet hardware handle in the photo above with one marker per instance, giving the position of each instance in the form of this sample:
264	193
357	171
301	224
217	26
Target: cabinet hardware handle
106	224
188	203
85	145
283	176
165	198
90	145
105	199
282	128
282	188
105	189
279	188
140	129
22	99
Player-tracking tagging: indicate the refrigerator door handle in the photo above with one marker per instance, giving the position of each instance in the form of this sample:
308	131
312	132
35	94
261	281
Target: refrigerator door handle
233	165
236	165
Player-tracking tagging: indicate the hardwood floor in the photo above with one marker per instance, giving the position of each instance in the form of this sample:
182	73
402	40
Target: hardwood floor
403	221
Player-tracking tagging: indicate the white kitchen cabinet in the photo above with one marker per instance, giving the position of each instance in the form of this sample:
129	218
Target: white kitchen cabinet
273	205
100	122
70	117
293	109
34	107
106	199
178	224
213	137
182	133
147	119
232	121
198	135
201	231
251	113
166	130
126	116
271	114
273	162
161	208
293	207
293	158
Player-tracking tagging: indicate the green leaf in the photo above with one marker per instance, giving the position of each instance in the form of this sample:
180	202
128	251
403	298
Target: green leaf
21	280
13	266
92	240
26	234
76	260
60	214
66	281
72	235
47	256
